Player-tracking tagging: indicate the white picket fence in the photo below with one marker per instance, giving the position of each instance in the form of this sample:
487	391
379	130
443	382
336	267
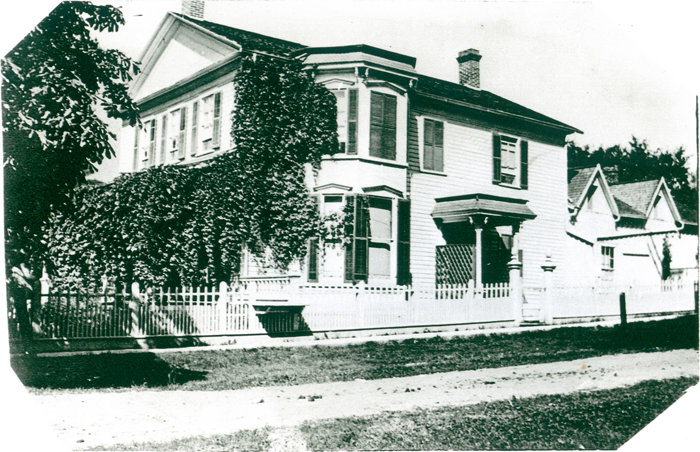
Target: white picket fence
604	300
282	306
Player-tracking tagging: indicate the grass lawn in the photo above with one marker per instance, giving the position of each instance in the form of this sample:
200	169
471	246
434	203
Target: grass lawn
235	369
584	420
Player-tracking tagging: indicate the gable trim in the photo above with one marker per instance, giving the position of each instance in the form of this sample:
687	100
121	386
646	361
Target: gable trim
669	201
385	188
598	173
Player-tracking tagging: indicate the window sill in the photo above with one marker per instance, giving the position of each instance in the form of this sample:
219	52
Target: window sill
433	172
511	186
375	160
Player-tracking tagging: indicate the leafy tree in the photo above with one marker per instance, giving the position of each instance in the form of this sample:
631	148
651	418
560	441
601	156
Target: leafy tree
173	225
637	162
54	82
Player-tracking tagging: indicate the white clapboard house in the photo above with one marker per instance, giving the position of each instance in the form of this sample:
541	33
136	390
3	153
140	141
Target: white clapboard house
616	232
456	182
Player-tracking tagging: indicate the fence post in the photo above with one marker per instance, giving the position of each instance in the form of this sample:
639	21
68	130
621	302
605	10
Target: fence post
516	288
360	296
548	269
45	286
222	305
695	290
134	308
623	309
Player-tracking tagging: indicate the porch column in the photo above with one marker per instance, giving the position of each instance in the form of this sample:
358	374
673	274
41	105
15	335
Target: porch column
478	228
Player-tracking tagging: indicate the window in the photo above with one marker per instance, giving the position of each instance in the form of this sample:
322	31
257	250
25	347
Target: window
346	100
148	141
510	161
380	237
211	122
433	138
176	133
382	128
608	257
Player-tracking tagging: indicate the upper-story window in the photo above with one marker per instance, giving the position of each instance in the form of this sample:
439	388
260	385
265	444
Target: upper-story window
147	139
210	129
433	148
382	128
346	100
176	133
510	161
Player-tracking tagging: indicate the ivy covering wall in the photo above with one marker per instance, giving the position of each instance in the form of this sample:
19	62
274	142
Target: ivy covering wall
185	225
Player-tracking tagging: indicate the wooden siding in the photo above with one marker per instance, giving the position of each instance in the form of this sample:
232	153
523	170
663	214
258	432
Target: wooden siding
468	169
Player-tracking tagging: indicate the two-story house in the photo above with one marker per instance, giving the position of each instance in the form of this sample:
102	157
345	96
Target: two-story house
616	232
448	182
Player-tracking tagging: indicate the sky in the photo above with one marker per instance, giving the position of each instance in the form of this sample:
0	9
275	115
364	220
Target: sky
611	69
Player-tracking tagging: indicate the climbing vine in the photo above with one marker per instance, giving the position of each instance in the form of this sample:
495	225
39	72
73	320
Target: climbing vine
174	225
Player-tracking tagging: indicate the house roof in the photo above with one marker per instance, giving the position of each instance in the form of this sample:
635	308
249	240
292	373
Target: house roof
247	39
429	86
578	182
481	98
633	199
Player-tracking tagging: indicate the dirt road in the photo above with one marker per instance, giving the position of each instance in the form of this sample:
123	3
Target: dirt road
89	419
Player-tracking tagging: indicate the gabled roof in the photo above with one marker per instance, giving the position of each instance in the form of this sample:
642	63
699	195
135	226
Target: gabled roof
247	39
486	100
580	182
634	198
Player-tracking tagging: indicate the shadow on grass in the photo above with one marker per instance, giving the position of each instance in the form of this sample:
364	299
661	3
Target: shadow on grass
106	370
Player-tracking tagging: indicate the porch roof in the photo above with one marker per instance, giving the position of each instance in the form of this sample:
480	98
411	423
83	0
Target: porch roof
454	209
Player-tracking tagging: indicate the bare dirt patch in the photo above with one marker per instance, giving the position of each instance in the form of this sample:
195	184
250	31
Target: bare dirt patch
135	416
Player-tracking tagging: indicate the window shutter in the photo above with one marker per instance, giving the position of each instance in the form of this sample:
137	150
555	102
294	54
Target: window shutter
496	158
439	147
163	137
523	163
375	125
403	273
195	112
349	232
361	239
182	136
137	132
152	143
428	137
389	129
216	126
352	122
313	252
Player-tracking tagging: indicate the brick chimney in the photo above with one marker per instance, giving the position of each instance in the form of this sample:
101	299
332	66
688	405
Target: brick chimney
193	8
469	67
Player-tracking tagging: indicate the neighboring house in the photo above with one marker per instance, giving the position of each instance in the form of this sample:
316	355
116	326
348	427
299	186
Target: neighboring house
448	182
616	232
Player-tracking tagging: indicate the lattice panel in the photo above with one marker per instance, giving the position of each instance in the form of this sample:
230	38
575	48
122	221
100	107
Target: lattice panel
454	264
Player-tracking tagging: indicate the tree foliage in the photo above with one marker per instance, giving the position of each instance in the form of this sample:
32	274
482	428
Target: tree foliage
637	162
54	84
183	225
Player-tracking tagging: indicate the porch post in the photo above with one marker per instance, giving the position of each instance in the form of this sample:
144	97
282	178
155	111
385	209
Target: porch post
548	268
514	278
45	286
478	229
